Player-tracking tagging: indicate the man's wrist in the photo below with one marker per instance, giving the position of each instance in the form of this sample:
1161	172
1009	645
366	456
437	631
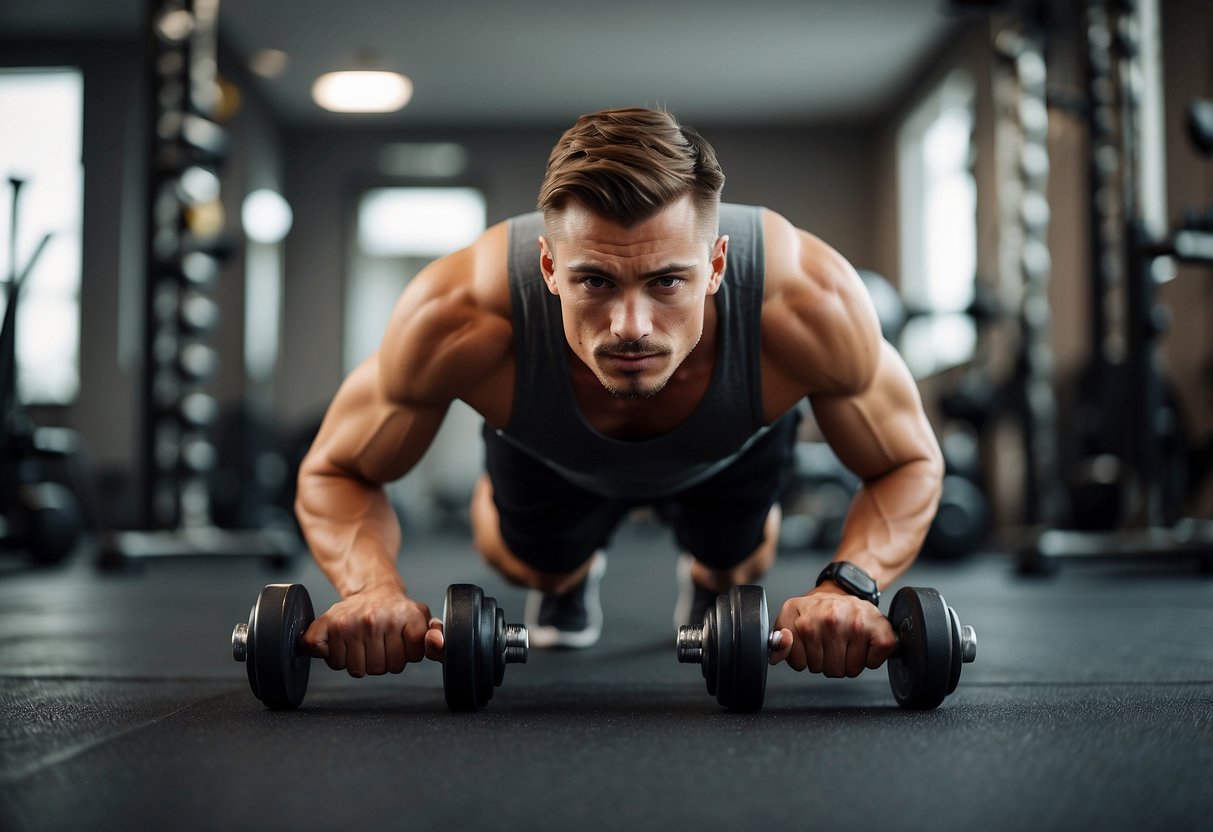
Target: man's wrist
390	584
828	587
851	580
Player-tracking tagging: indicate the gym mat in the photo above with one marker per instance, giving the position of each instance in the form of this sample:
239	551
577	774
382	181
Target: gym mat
1090	705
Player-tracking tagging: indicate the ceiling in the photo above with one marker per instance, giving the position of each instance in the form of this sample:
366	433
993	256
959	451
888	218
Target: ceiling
517	62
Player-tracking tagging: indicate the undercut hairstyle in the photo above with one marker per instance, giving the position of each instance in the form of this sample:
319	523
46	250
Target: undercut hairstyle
629	164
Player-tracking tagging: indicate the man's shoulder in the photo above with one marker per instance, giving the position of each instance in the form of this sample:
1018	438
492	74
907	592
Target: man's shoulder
452	323
817	315
800	264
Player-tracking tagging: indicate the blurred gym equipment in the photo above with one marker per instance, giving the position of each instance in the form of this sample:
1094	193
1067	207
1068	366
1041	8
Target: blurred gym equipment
39	516
186	247
1130	468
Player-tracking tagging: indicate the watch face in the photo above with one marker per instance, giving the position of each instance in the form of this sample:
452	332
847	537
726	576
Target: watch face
854	580
857	578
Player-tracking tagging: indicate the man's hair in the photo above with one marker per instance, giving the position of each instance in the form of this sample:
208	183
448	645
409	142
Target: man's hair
627	165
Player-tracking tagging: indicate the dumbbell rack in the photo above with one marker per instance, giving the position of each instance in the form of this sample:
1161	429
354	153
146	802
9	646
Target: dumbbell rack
185	250
1147	531
1023	120
1127	328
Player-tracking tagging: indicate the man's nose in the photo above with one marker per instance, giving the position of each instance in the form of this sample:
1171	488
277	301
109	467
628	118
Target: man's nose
631	319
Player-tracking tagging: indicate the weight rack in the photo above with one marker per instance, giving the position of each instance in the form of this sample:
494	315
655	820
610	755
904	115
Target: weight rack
1127	320
185	250
1023	118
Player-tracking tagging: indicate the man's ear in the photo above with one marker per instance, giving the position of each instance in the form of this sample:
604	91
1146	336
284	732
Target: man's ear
718	260
547	265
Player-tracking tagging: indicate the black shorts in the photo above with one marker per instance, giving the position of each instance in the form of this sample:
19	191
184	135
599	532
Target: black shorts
555	526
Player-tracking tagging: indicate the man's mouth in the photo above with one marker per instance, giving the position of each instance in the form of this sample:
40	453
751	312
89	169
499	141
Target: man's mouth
631	362
631	358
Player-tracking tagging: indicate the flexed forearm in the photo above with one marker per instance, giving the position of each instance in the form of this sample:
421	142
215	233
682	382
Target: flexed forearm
883	436
351	528
889	518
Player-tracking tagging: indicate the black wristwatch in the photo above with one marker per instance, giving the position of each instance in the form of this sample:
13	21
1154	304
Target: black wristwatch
851	578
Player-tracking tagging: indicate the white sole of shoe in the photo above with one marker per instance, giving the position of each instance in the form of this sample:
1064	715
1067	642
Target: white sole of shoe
686	589
542	636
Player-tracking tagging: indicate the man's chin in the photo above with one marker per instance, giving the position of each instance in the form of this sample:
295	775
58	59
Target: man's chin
632	387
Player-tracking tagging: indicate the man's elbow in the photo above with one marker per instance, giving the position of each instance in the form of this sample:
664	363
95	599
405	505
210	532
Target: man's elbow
933	468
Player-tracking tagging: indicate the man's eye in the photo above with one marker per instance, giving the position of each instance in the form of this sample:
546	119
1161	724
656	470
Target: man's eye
668	282
594	282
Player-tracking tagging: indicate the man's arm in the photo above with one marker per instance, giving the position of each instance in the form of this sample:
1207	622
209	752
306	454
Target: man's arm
366	440
352	529
441	343
883	436
868	409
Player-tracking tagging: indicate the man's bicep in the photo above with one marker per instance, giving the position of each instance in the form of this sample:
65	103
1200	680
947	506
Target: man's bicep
881	428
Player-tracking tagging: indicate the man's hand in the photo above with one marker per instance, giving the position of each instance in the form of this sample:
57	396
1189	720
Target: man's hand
373	632
833	633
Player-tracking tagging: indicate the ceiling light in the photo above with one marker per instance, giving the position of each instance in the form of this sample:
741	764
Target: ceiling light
362	91
269	63
266	216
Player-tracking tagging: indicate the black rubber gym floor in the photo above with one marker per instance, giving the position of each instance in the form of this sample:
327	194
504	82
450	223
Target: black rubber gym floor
1090	706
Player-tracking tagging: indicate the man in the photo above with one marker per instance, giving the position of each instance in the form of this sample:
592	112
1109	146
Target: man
635	343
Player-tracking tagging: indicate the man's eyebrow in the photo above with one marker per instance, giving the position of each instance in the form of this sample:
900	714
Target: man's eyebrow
671	268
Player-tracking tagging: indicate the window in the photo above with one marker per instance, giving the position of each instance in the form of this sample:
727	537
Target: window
938	208
266	219
399	231
42	114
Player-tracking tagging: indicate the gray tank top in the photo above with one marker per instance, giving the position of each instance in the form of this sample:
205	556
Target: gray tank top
547	423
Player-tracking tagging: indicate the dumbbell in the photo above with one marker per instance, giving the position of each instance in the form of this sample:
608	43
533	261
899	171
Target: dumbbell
735	642
479	644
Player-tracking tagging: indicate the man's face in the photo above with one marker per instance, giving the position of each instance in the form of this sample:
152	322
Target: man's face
632	299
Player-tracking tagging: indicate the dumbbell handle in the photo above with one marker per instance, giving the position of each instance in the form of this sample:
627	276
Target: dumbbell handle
516	643
690	644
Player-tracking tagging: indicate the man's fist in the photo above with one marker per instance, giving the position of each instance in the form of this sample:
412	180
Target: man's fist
374	632
833	633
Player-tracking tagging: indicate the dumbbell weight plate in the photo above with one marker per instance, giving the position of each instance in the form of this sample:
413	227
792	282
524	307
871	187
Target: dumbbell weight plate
957	653
497	644
921	671
751	651
277	669
460	627
479	644
735	648
469	625
489	637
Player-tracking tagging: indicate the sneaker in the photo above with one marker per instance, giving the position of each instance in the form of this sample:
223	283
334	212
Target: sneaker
693	600
573	619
